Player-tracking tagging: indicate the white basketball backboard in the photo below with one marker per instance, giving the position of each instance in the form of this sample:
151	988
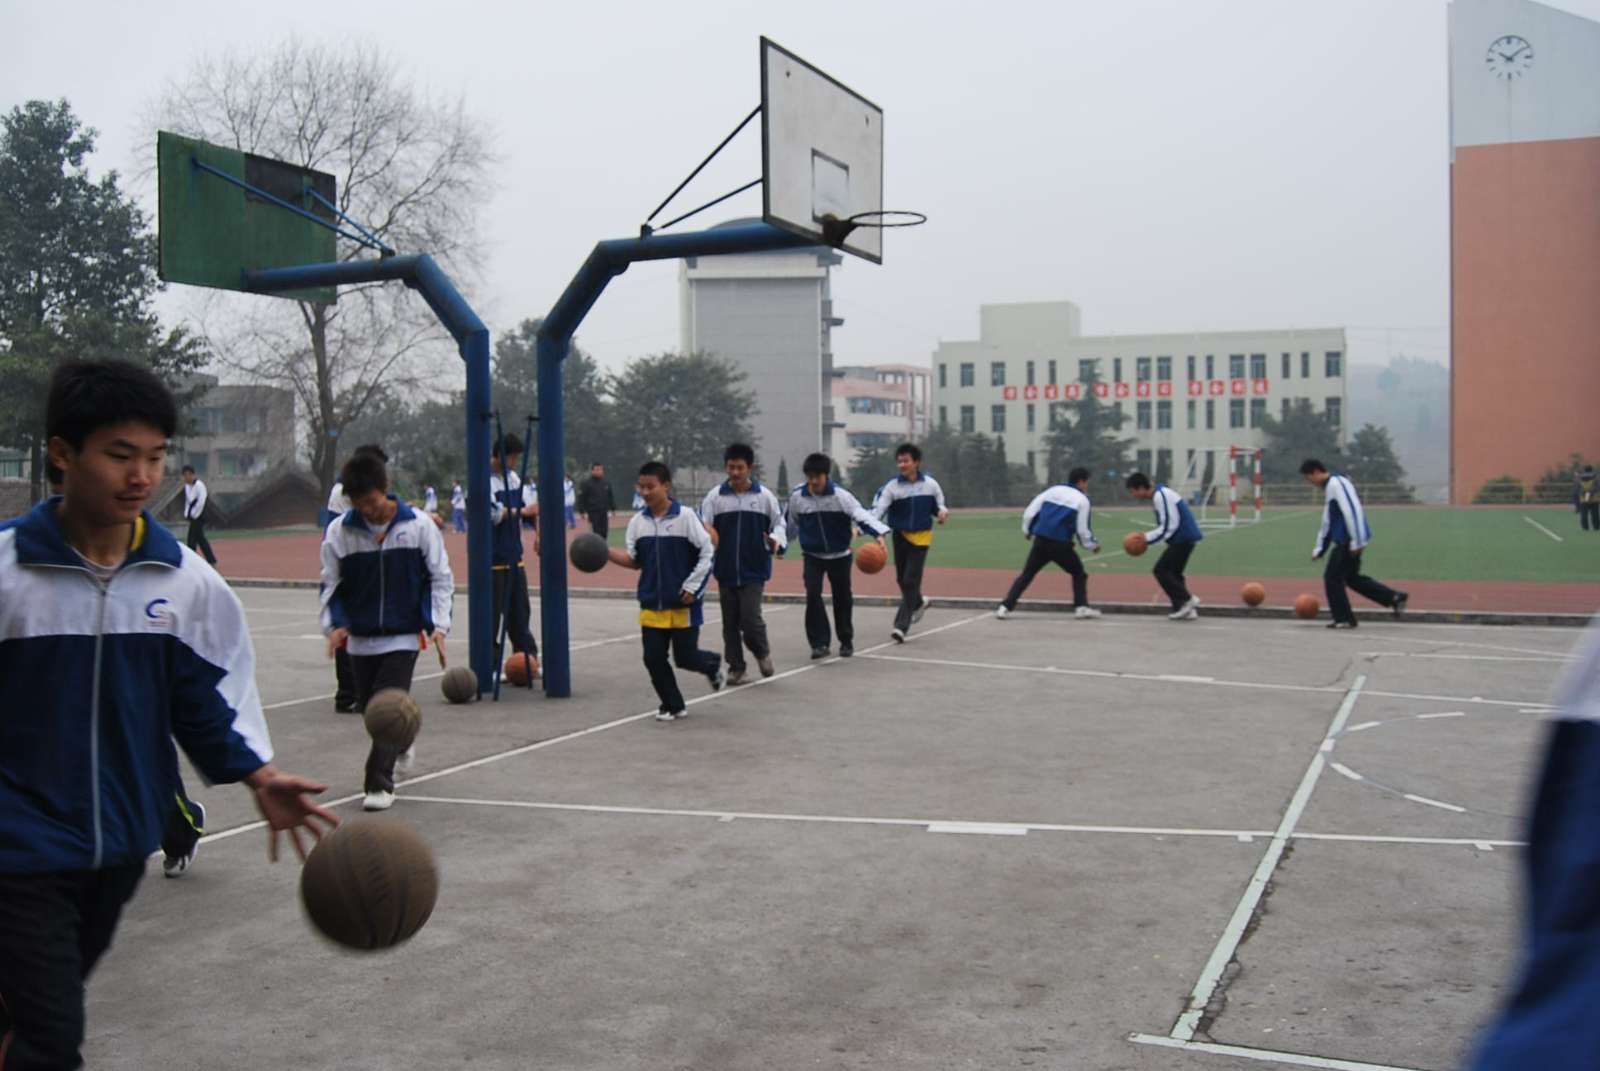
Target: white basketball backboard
821	152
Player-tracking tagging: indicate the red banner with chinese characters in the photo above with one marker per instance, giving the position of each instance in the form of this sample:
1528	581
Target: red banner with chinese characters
1051	391
1164	389
1030	393
1075	391
1009	394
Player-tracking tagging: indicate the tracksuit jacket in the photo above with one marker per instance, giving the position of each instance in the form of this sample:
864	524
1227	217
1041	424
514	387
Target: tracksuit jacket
1060	512
1175	521
1343	519
909	505
97	680
385	593
674	555
825	524
743	523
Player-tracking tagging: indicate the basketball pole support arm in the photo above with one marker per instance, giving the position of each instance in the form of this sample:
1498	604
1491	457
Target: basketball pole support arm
423	275
608	260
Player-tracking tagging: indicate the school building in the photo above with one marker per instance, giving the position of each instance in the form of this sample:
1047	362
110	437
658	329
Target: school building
1185	398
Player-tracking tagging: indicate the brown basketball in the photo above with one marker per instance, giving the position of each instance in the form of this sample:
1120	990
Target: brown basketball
1135	544
870	558
1306	606
516	669
1253	594
370	884
393	718
460	685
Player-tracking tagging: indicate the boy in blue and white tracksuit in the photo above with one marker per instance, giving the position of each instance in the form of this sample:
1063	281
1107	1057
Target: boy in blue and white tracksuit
386	588
748	525
458	507
910	503
510	504
1054	517
1344	535
1175	526
824	517
673	553
430	500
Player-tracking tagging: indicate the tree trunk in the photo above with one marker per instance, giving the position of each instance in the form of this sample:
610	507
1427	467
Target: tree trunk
35	469
324	452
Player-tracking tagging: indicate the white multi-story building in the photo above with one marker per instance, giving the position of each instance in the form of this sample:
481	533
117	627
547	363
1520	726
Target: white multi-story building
1186	398
879	405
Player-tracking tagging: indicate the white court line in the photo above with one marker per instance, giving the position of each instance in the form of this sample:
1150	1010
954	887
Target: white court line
1542	528
1340	767
1363	726
1366	838
1294	1059
1443	714
1434	803
1468	657
1184	1029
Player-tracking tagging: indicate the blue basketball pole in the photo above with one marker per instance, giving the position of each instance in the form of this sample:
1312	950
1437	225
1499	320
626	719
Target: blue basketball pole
607	261
421	274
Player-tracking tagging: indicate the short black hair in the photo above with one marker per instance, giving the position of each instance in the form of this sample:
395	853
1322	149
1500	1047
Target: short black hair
508	446
363	474
911	450
817	465
658	469
597	464
739	452
1310	465
1137	481
374	450
186	468
85	396
1078	475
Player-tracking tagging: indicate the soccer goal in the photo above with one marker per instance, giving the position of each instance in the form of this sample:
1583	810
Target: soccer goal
1216	504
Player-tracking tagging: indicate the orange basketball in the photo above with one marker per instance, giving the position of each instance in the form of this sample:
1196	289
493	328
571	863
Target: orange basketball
1306	606
1253	594
870	557
1135	544
516	671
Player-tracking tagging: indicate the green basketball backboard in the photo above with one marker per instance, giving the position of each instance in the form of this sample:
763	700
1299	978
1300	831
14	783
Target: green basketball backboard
212	230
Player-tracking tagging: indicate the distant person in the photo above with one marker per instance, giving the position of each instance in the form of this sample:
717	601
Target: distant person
194	511
909	504
822	516
596	500
748	522
509	506
569	500
430	500
1175	526
638	502
1344	535
1052	520
1586	497
458	506
344	691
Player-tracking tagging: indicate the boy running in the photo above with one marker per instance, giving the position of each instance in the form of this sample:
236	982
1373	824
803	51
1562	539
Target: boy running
194	511
910	503
1052	519
508	508
748	523
114	640
823	516
1176	525
670	548
385	582
1344	534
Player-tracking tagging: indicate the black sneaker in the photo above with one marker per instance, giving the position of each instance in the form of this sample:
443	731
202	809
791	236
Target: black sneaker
718	678
345	708
845	650
1400	600
819	652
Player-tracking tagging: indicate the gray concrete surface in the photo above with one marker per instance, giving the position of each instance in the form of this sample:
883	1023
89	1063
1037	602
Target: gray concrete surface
758	886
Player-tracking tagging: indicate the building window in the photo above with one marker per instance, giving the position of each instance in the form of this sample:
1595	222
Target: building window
1163	466
1285	410
1332	407
997	419
1141	367
1031	461
944	417
1030	373
997	373
1236	413
967	378
1116	370
1288	366
1192	407
1258	412
1142	416
1211	367
1164	416
1164	369
199	461
235	463
1142	459
943	379
969	419
1211	414
1052	378
1191	367
1086	370
1305	366
1333	360
1236	366
1258	366
1031	408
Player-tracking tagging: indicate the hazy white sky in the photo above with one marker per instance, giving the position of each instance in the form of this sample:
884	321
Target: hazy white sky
1168	166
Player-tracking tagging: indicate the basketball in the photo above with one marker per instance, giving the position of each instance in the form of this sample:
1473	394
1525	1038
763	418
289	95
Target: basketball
1253	594
1135	544
589	552
516	669
1306	606
460	685
370	884
870	558
393	719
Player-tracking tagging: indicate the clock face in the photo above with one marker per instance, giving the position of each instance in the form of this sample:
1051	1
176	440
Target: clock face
1509	57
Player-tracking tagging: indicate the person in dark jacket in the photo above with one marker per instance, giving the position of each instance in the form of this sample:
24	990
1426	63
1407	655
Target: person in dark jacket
596	501
1586	498
747	523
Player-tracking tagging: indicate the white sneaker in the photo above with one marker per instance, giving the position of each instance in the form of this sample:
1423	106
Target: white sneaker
403	761
1086	611
378	801
897	636
916	615
718	679
665	715
1001	612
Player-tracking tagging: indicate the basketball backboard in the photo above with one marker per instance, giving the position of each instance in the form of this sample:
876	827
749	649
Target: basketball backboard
821	152
212	230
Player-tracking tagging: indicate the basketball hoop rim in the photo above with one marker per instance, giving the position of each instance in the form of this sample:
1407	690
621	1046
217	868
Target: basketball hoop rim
887	217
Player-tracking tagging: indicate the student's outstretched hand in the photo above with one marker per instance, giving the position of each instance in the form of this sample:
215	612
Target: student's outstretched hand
690	598
944	515
284	800
337	639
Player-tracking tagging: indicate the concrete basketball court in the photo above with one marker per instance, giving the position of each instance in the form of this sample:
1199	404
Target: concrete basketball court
1020	843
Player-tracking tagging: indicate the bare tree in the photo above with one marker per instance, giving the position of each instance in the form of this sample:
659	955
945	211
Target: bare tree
410	169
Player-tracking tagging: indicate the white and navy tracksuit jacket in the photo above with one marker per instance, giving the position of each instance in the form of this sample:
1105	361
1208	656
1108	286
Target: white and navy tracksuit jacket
910	506
194	500
1175	521
674	553
1343	519
744	522
1059	513
507	495
97	680
825	524
387	592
